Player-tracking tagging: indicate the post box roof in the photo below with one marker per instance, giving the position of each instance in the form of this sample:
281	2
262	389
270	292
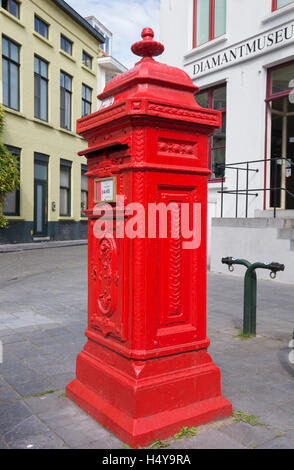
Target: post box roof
150	89
149	71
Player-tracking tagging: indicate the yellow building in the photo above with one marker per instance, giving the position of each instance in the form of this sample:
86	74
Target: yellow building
49	80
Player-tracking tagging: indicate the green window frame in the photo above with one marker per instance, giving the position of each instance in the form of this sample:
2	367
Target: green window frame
65	101
41	88
41	27
84	190
216	98
13	198
66	44
12	6
86	100
87	60
65	188
11	73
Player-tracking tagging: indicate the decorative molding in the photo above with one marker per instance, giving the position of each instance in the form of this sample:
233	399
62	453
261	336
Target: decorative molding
174	277
177	148
88	122
203	117
138	145
139	304
107	279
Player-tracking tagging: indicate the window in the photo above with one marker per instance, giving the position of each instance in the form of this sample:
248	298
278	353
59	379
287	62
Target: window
12	6
41	27
280	125
86	100
106	46
108	77
280	3
66	45
215	98
84	190
12	201
41	89
65	188
209	20
10	73
65	100
87	60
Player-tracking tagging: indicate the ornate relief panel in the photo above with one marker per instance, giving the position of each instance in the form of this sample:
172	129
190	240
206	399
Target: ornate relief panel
108	307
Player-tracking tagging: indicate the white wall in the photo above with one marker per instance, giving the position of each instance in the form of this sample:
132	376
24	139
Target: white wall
257	240
246	83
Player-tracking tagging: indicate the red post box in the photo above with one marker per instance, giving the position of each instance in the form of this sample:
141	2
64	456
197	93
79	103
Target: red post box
145	371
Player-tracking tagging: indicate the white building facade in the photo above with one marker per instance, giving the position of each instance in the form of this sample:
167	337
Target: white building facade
108	66
241	56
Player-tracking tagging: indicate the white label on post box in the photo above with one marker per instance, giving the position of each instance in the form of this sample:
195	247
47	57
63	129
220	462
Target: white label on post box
105	190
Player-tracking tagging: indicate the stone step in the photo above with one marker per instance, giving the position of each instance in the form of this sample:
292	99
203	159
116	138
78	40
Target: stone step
286	234
280	214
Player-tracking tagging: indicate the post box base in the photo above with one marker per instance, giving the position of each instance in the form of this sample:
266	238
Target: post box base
142	432
140	413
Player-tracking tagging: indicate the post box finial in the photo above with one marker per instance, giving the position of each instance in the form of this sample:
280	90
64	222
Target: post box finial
147	47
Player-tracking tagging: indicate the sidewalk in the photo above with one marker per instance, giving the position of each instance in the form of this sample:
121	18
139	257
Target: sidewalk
42	321
10	248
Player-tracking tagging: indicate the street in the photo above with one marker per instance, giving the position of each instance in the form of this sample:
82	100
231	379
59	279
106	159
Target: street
43	310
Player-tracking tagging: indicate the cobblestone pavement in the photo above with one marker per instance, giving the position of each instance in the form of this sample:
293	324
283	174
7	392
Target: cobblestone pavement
43	296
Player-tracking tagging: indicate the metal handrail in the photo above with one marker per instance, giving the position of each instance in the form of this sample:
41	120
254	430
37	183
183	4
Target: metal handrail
249	191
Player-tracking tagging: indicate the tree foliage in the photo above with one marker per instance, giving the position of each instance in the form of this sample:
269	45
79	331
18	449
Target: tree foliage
9	173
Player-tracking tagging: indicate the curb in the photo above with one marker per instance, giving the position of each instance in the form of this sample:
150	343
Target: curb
40	245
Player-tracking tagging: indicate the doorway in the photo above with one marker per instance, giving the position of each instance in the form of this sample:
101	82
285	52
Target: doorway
281	110
282	153
41	196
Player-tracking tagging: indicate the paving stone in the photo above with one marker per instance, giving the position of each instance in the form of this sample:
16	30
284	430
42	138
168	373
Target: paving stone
56	349
22	350
60	381
208	440
41	360
12	339
288	406
7	394
34	335
3	446
32	388
64	416
6	316
12	366
6	332
50	402
278	419
24	376
82	434
45	341
31	426
47	440
12	414
248	435
54	370
109	442
55	332
278	443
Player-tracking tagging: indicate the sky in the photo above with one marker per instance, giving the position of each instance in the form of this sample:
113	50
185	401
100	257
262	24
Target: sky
125	19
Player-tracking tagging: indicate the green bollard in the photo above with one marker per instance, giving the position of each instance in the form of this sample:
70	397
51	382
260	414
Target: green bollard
250	289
